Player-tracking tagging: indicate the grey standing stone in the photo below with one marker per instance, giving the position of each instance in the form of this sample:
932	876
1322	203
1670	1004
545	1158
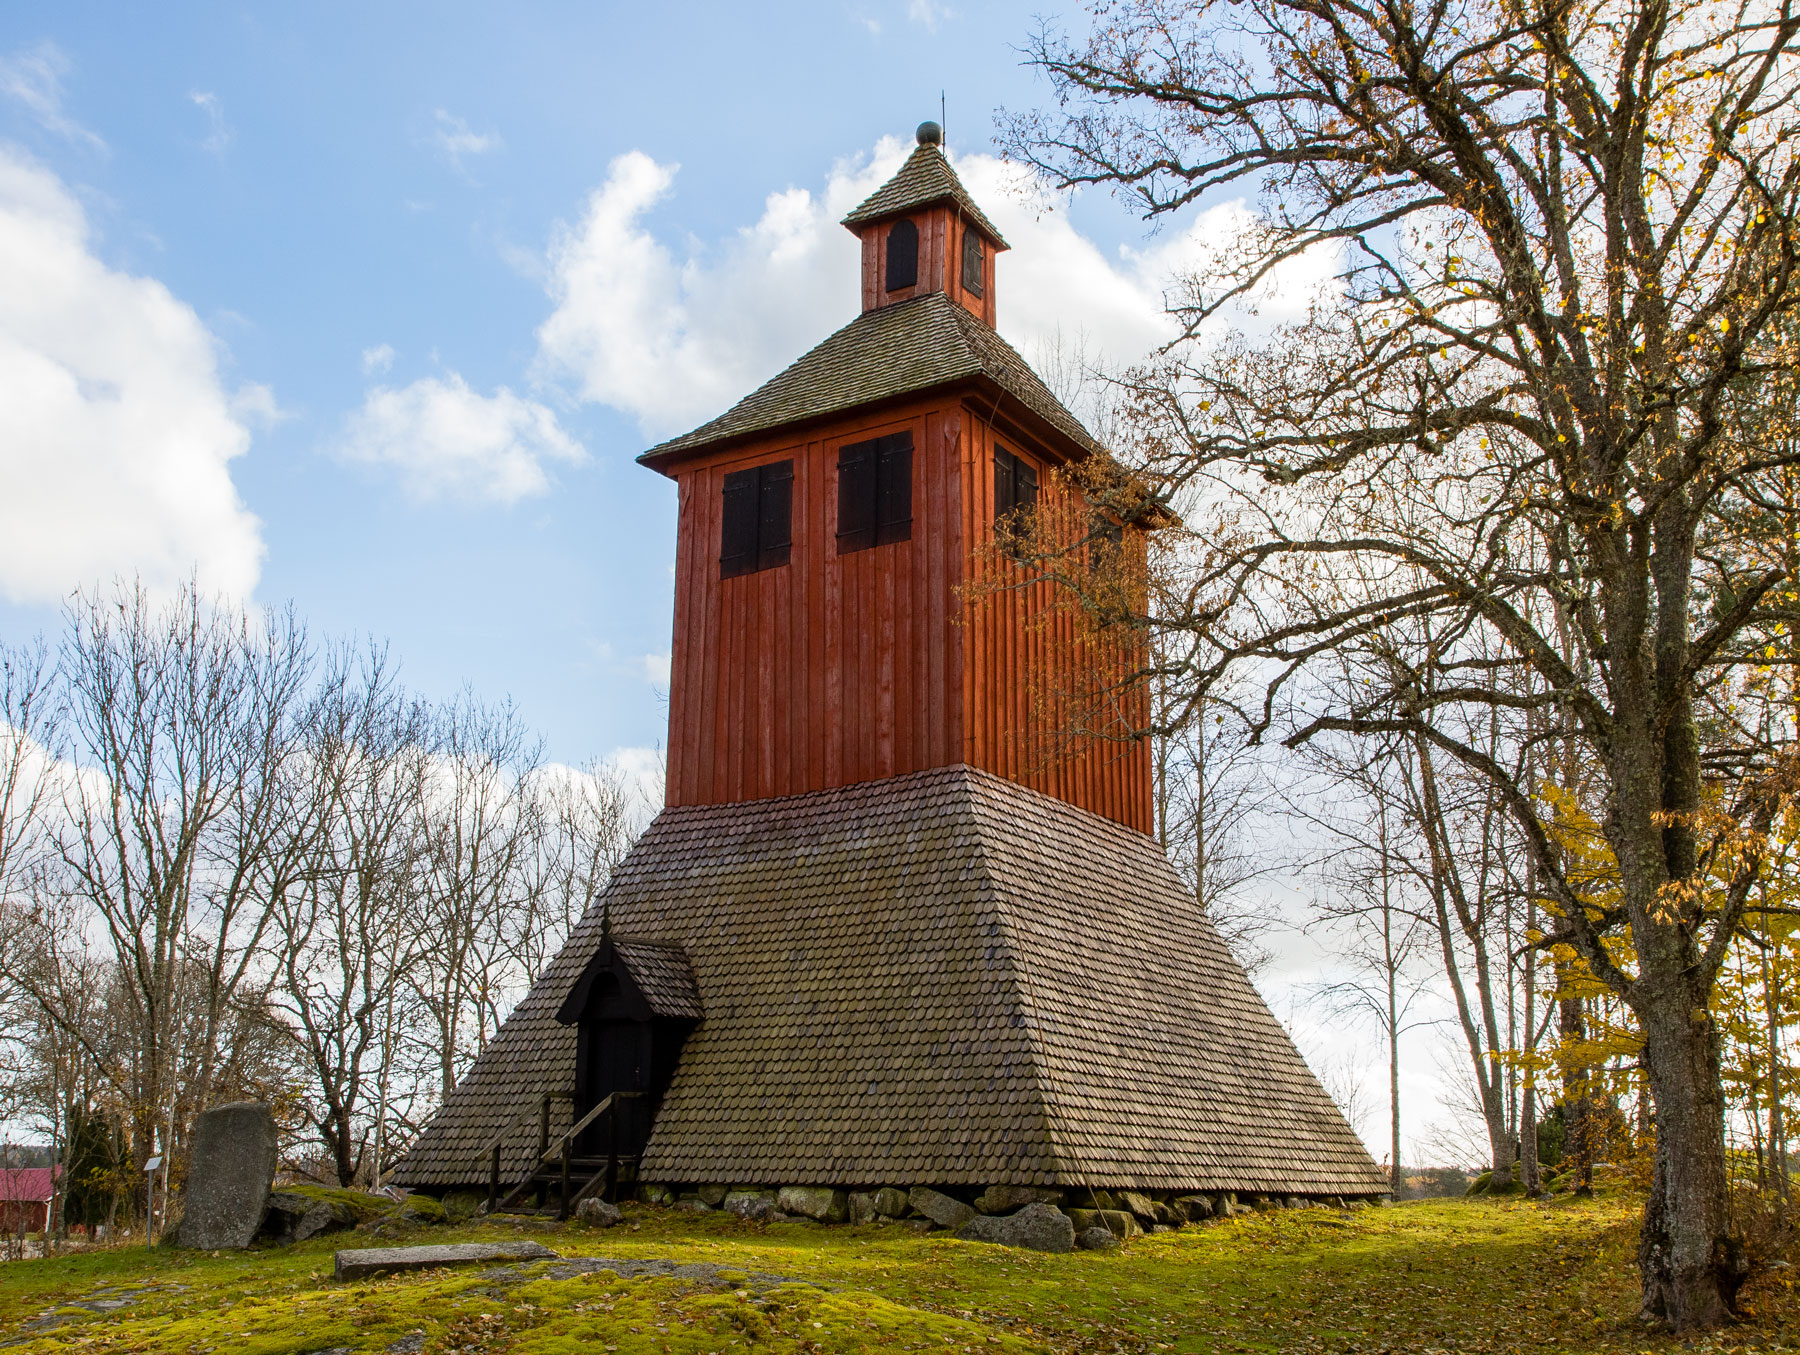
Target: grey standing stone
751	1204
1037	1227
1005	1199
862	1206
229	1173
891	1203
599	1214
355	1265
941	1209
1096	1239
820	1203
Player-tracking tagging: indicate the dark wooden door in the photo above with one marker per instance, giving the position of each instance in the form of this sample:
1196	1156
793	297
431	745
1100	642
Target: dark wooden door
633	1061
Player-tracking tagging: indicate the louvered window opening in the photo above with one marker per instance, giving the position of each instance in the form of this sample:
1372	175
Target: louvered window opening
902	256
874	492
757	528
971	261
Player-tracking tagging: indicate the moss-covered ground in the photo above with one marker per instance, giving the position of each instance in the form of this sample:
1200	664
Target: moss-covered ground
1442	1276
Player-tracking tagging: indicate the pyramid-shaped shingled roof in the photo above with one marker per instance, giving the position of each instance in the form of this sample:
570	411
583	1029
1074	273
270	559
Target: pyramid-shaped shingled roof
902	349
925	178
940	978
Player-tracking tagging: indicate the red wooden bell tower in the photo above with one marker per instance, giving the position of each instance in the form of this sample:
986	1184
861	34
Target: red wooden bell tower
831	520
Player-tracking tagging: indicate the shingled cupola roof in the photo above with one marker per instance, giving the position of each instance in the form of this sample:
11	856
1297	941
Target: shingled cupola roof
898	350
924	180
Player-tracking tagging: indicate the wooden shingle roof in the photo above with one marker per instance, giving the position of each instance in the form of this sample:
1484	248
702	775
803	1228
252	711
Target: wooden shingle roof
940	978
663	976
925	178
907	348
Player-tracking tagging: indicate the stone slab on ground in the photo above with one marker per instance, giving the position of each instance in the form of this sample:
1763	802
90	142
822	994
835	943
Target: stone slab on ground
1036	1227
230	1171
356	1265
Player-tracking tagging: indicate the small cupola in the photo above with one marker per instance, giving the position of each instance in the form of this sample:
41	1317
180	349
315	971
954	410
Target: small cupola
921	232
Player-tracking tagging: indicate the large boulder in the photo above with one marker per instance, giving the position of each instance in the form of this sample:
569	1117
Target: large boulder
294	1217
1139	1204
820	1203
944	1210
1117	1221
1037	1227
1096	1238
751	1204
1005	1199
230	1170
892	1203
862	1206
1198	1208
598	1213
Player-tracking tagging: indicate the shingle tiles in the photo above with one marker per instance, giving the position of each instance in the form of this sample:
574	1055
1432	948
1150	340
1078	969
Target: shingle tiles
941	978
925	178
907	348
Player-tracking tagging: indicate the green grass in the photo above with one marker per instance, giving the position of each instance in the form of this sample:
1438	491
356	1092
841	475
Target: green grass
1455	1275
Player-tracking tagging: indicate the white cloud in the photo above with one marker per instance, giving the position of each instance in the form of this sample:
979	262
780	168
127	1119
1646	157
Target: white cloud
673	335
643	772
116	433
455	139
377	359
33	77
930	13
218	140
447	441
657	669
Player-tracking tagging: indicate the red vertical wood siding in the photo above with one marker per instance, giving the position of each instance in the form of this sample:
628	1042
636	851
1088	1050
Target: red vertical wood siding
834	669
940	262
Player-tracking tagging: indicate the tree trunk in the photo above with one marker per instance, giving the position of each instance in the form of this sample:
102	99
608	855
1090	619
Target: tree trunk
1692	1269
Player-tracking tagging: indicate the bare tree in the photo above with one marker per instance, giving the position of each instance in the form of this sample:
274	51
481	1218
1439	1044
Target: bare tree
178	835
1565	236
1384	940
346	935
481	826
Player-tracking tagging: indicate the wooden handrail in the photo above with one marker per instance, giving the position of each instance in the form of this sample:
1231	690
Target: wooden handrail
559	1150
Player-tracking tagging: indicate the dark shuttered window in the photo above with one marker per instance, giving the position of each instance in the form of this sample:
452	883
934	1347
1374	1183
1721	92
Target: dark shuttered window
902	255
758	519
1015	484
874	492
971	261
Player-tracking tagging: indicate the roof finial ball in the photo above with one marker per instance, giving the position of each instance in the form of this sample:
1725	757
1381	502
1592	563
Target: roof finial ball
930	134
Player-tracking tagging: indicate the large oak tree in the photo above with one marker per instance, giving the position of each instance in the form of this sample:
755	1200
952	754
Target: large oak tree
1564	248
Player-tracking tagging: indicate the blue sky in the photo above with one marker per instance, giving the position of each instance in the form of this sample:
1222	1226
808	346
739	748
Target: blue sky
452	267
369	307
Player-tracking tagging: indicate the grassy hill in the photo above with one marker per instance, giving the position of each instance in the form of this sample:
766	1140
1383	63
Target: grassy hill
1446	1275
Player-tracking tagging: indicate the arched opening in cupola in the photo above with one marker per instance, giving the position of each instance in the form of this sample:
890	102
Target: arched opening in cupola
902	255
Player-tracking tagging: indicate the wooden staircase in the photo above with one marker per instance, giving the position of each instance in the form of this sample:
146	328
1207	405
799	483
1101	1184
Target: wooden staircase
559	1180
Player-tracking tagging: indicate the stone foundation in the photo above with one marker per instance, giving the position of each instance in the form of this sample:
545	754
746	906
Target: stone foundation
1122	1212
